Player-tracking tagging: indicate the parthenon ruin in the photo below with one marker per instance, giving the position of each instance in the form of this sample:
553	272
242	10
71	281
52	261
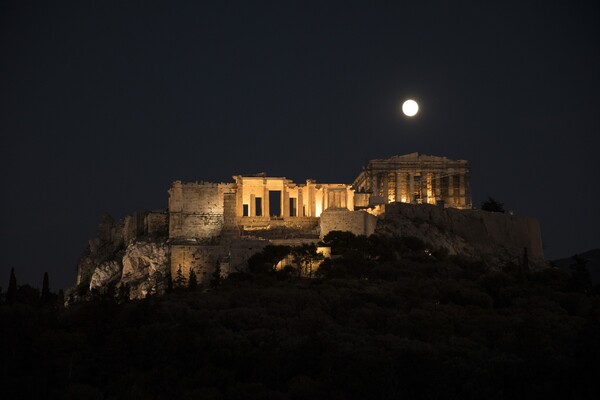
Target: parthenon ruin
417	179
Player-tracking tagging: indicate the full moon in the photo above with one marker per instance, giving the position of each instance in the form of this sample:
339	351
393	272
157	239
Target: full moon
410	108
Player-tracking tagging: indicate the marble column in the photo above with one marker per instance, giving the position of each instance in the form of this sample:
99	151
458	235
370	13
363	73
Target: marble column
411	187
312	203
240	198
462	189
266	211
398	186
375	187
350	199
285	195
429	188
386	188
300	203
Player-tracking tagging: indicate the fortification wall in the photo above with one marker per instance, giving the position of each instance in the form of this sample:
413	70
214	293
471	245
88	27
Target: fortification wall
133	227
157	223
357	222
230	226
481	234
196	210
240	250
203	259
301	223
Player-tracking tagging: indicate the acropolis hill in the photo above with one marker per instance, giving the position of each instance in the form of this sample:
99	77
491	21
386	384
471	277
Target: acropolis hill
222	224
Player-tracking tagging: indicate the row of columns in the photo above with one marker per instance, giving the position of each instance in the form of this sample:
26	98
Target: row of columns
328	197
430	187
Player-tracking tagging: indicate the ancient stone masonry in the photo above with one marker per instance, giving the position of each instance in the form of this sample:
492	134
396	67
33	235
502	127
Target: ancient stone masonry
196	210
417	179
222	224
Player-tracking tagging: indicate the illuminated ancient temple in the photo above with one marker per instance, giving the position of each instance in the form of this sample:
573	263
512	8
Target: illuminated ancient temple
416	179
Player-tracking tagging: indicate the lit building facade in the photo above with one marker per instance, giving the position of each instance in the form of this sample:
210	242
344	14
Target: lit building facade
416	179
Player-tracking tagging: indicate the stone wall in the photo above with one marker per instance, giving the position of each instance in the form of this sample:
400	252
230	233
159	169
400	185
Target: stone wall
357	222
196	209
157	223
133	227
230	226
240	250
490	236
302	223
203	259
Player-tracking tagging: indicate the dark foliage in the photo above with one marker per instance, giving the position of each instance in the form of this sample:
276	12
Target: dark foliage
215	278
386	319
580	275
266	260
492	205
11	292
180	281
192	281
46	298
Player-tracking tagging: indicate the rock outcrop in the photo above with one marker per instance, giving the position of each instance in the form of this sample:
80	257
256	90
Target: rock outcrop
129	256
146	268
135	257
105	274
494	238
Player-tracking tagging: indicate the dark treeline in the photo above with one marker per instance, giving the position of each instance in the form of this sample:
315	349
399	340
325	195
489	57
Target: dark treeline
385	318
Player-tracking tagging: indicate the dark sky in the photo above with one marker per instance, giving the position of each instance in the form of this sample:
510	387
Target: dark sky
104	105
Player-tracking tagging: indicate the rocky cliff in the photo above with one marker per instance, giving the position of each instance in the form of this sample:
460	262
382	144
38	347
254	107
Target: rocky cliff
494	238
125	256
133	256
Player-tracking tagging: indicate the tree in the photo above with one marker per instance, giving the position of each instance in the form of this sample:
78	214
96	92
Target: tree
306	256
124	292
580	274
46	297
179	279
169	284
267	259
192	281
11	292
492	205
60	299
216	279
26	294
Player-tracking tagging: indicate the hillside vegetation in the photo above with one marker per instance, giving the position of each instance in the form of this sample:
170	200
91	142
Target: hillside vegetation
387	318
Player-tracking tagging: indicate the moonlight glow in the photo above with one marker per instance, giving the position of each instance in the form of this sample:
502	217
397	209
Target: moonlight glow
410	108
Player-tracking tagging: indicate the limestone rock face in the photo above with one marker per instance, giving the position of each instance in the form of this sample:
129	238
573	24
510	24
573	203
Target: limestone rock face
107	243
105	274
494	238
146	268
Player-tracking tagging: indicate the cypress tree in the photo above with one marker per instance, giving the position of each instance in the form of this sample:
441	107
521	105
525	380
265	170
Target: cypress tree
11	292
216	276
45	297
179	279
169	284
192	282
60	299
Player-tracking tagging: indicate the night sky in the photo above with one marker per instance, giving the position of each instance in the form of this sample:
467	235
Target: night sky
103	105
